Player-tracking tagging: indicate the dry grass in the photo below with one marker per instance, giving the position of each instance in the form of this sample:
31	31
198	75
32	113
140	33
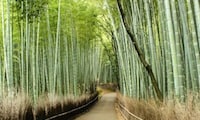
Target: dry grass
52	105
19	107
168	110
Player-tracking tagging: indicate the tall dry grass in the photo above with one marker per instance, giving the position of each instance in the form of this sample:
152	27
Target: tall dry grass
17	107
168	110
20	107
52	105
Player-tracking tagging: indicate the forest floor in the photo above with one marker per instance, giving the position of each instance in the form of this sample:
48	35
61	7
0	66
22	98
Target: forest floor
103	110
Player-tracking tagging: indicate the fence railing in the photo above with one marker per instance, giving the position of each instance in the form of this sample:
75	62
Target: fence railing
73	110
128	112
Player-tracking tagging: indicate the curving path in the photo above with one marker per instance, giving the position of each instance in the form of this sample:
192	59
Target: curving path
103	110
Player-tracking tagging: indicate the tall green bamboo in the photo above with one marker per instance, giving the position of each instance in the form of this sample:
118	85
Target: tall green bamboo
7	41
52	57
3	37
167	35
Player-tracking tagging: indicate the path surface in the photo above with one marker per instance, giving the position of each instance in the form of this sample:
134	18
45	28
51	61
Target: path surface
103	110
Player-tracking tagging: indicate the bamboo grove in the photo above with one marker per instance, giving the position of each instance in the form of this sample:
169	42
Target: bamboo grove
151	48
167	34
50	47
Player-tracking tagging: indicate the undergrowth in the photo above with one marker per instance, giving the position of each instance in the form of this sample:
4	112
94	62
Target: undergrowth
20	107
168	110
15	107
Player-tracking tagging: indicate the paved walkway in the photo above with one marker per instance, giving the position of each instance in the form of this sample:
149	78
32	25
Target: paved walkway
103	110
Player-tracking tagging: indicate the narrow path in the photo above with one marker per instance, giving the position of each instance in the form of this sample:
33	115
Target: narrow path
103	110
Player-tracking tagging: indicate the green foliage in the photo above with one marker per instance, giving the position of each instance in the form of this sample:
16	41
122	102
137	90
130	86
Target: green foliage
54	47
30	8
166	33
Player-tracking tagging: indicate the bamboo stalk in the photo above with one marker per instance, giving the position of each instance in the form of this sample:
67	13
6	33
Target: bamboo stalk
140	54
